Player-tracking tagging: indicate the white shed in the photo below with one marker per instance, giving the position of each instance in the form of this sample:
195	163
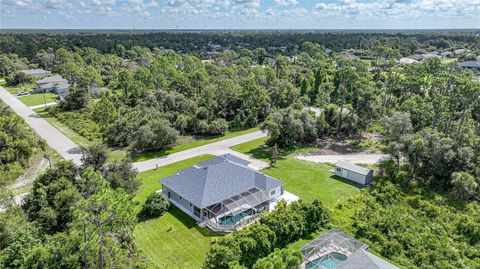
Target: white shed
353	172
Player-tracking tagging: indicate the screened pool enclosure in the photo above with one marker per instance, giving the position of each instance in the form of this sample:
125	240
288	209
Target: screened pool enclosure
330	249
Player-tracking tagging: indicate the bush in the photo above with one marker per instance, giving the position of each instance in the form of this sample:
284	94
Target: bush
274	230
155	206
18	78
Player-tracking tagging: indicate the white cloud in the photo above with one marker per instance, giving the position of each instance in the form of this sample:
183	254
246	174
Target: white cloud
152	4
286	2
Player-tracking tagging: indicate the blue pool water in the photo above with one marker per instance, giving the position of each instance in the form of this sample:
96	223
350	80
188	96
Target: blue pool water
329	261
231	220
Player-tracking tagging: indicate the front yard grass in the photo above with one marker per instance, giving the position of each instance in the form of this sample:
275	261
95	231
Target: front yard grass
187	142
37	99
173	240
308	180
17	89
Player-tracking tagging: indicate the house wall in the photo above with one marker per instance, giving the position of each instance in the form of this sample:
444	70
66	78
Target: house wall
277	192
179	201
353	176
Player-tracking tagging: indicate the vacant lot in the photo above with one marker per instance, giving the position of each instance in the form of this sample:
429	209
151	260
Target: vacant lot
38	99
173	240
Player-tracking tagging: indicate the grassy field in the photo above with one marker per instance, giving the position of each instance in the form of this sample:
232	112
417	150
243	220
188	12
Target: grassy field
185	143
307	180
37	99
173	240
16	89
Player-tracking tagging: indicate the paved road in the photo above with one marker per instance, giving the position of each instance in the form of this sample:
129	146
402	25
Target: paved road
71	151
216	148
55	139
353	158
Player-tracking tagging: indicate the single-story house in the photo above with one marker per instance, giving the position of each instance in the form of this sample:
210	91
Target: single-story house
470	65
405	61
56	84
353	172
222	193
336	250
36	72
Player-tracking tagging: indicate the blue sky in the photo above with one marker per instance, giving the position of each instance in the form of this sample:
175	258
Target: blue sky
240	14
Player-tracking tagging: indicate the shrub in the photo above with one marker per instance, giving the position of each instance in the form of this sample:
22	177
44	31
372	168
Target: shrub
274	230
155	206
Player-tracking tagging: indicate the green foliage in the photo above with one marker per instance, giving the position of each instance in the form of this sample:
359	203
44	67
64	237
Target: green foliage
18	143
417	227
121	174
274	230
155	206
280	259
18	78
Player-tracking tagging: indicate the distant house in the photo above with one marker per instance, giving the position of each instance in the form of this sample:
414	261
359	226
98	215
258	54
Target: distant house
353	172
422	57
348	55
406	61
470	65
270	61
36	72
336	250
56	84
222	193
96	91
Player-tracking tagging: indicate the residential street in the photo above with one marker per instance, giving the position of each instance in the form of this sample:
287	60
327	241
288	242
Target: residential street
71	151
54	138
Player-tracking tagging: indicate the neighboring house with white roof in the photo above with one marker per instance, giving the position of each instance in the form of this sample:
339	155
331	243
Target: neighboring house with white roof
56	84
222	193
353	172
36	72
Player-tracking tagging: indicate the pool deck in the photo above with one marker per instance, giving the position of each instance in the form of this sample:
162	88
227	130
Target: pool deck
288	197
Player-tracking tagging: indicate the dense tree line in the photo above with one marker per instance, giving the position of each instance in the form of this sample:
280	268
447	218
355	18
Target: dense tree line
73	217
274	230
417	227
17	144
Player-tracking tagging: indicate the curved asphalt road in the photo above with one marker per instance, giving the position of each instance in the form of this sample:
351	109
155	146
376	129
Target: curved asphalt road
71	151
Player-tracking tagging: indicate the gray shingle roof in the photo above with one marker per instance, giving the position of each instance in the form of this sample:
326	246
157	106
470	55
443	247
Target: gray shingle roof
470	64
52	79
36	72
353	167
362	259
217	179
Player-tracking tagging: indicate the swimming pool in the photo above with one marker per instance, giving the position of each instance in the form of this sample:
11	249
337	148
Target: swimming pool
232	220
329	261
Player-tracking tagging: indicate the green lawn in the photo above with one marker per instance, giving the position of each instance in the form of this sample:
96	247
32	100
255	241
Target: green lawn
173	240
16	89
37	99
185	143
307	180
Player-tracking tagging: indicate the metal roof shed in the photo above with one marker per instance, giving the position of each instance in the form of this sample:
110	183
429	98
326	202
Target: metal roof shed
353	172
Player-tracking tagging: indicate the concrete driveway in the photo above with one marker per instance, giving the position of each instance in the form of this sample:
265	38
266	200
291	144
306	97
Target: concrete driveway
54	138
365	158
216	148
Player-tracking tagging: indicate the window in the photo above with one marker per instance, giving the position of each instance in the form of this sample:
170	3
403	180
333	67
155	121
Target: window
168	194
339	169
273	192
190	204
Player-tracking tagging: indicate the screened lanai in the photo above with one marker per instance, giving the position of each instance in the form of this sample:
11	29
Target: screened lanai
330	248
231	212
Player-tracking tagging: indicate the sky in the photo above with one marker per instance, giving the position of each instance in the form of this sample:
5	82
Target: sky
240	14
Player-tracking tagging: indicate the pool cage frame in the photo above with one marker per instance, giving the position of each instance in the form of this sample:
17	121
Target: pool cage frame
328	243
254	199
